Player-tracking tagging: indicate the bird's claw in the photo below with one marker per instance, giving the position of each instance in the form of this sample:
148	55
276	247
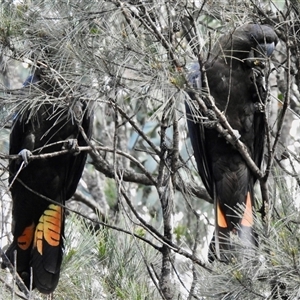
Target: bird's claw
25	154
72	146
259	107
258	73
235	135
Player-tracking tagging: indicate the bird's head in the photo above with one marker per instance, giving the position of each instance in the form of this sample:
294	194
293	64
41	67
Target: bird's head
263	41
252	43
260	41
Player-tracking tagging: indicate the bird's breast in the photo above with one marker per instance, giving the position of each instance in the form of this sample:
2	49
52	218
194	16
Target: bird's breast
232	93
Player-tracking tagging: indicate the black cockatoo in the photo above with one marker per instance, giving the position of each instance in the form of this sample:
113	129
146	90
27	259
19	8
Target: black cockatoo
234	78
38	224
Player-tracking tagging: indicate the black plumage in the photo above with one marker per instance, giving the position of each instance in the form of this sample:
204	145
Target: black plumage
234	78
38	224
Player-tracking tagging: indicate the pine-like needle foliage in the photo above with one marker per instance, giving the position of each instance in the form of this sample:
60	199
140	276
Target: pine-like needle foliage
145	219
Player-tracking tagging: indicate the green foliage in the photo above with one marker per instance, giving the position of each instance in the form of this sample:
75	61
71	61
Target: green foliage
110	192
180	231
103	263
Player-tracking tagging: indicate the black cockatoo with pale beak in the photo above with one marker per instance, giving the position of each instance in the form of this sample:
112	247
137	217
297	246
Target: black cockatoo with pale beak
234	77
40	187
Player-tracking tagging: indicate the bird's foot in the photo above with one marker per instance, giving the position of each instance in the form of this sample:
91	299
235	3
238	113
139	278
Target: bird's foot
258	74
259	107
25	154
235	135
72	146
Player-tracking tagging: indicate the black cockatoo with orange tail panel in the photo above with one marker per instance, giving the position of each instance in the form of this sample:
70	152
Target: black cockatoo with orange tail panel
40	187
235	82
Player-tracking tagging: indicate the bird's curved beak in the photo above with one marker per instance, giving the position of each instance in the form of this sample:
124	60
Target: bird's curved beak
265	49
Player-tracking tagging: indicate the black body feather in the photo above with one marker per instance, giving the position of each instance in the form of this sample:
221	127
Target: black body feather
237	92
38	224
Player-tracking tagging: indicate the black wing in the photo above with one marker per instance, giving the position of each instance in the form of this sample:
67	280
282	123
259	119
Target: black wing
195	121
